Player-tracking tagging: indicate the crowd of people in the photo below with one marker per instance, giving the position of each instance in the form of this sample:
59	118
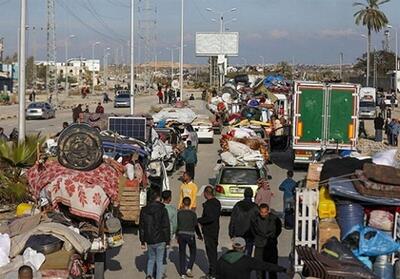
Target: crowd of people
252	227
384	123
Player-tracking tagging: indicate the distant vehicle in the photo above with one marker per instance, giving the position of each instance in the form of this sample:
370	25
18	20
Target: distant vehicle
204	128
367	102
232	181
388	102
122	100
40	110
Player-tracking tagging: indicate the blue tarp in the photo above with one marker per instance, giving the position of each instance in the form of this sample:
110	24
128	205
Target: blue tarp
123	149
273	80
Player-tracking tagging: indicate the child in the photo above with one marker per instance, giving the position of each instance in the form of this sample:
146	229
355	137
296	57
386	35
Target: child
187	228
264	193
288	187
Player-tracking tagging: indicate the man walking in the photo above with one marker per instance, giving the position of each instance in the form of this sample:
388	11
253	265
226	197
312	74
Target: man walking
188	189
209	222
266	228
235	264
382	107
76	112
189	156
379	122
242	214
154	231
3	137
173	222
187	228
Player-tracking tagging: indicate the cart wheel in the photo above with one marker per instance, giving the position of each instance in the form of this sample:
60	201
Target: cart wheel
99	265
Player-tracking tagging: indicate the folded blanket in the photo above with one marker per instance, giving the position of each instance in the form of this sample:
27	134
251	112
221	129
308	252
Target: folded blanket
382	174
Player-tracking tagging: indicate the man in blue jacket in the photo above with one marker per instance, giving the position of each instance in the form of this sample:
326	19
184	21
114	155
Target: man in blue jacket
189	156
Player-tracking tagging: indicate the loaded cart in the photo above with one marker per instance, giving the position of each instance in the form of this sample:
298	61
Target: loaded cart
347	218
81	188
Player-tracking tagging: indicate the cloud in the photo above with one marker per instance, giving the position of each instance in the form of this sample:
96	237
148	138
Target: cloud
279	34
336	33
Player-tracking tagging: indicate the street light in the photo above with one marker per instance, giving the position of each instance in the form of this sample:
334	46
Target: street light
66	63
181	54
105	59
368	70
229	21
21	71
263	62
395	61
93	70
221	16
132	81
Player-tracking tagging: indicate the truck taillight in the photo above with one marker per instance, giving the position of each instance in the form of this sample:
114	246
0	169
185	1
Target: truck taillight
219	189
350	131
299	132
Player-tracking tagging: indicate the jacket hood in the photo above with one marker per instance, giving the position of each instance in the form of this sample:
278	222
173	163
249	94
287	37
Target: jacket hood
232	257
155	206
246	204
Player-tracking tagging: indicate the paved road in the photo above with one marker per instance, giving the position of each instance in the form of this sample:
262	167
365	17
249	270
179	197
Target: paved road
130	261
51	126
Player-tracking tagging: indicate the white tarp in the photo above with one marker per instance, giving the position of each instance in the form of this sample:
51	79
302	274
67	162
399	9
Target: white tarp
181	115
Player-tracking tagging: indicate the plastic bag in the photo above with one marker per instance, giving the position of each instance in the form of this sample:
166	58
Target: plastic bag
238	149
34	258
4	249
374	242
385	158
381	219
228	158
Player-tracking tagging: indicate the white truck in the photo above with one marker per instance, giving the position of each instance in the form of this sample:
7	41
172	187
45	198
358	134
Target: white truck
367	102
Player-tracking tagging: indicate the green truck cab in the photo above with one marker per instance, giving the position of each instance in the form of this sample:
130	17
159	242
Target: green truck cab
325	117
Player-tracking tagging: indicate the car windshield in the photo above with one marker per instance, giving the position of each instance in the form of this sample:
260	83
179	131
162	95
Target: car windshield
123	96
240	176
36	105
367	104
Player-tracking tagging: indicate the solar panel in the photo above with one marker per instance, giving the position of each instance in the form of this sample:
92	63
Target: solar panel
134	127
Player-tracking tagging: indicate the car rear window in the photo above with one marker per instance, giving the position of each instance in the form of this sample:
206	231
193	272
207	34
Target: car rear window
36	105
123	96
240	176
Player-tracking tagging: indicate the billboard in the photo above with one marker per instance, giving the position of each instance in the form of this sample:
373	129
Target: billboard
214	44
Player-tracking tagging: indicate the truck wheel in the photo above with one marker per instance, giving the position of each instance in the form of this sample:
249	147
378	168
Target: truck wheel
99	265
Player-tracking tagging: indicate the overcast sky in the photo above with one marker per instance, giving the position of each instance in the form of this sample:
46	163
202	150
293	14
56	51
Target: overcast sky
308	31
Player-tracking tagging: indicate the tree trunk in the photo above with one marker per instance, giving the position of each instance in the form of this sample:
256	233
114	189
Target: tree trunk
368	56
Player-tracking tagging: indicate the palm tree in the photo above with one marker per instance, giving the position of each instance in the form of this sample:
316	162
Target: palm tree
373	18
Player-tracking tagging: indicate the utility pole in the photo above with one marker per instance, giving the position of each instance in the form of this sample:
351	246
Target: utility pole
181	54
132	89
21	70
93	69
51	75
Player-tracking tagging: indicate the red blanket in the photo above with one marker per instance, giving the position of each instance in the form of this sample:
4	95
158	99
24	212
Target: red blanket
87	193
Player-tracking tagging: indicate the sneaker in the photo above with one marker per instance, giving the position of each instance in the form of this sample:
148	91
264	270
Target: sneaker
149	277
189	273
164	276
183	277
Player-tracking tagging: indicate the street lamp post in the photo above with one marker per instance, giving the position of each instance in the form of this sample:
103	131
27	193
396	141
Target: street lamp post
132	81
396	66
66	64
181	51
368	70
21	71
93	70
221	16
172	62
263	62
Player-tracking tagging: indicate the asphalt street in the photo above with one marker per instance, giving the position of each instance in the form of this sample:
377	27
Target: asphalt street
130	261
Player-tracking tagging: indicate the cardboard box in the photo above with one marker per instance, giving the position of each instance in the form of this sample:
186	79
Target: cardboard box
327	228
313	175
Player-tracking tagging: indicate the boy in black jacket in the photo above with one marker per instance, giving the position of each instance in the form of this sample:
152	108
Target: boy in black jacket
154	231
187	229
209	222
236	265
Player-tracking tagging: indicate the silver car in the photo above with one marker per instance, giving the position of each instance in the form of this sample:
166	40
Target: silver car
40	110
122	100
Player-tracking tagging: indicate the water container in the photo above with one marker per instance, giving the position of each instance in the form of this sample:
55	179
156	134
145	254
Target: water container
384	270
326	207
350	215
